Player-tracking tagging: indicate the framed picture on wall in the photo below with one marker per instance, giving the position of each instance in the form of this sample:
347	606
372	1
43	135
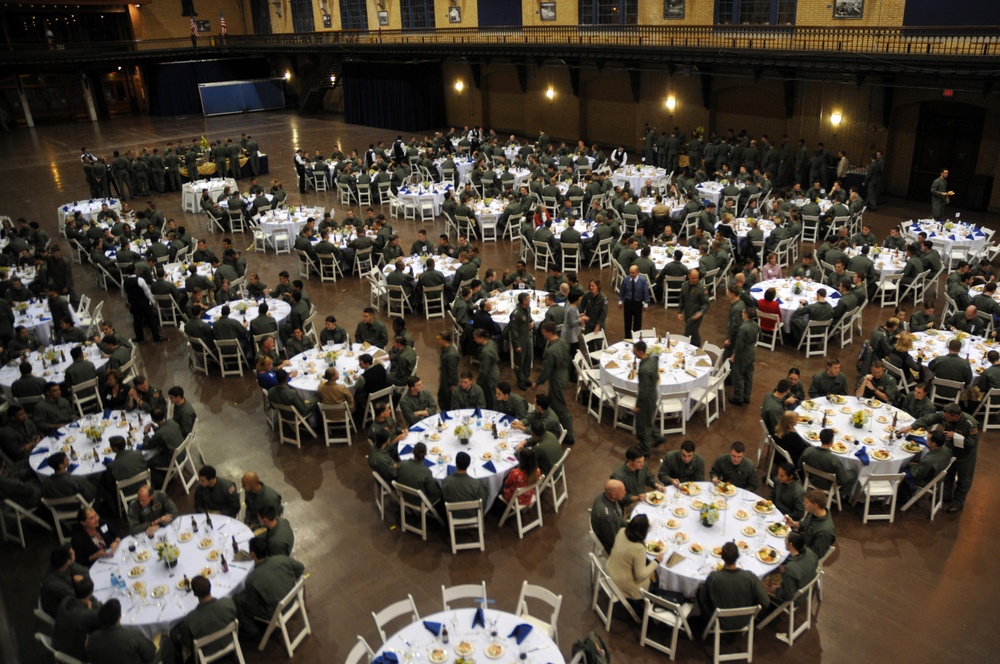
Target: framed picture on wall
454	14
383	17
673	9
547	10
848	8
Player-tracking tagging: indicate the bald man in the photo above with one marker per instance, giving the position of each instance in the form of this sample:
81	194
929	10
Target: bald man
149	511
606	517
257	497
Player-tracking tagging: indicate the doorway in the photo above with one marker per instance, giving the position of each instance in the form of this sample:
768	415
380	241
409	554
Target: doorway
948	136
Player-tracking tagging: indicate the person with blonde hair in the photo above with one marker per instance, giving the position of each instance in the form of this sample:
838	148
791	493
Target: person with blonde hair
787	438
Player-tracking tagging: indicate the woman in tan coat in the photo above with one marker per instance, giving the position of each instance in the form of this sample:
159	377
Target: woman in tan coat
628	565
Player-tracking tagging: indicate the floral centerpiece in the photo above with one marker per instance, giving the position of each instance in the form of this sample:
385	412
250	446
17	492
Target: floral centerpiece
168	553
709	515
962	336
330	357
948	225
242	307
53	355
22	306
463	432
487	201
93	434
859	419
423	259
655	349
797	288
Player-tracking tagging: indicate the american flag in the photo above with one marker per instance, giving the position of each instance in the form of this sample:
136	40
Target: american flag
194	26
222	25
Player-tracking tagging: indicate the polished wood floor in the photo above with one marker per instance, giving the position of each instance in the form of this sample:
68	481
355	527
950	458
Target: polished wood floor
913	591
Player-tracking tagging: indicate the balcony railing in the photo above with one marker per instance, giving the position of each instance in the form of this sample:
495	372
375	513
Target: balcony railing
969	42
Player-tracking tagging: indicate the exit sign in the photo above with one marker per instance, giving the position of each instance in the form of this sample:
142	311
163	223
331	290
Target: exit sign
948	92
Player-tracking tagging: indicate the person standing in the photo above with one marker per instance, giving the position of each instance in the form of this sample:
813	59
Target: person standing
873	181
555	370
633	298
300	169
647	398
940	195
519	337
489	366
449	369
744	357
139	300
694	305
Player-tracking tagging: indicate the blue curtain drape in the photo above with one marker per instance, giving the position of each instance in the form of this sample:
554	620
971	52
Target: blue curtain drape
394	96
173	86
499	13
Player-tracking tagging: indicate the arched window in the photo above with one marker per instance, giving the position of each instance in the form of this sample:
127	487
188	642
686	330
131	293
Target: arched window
609	12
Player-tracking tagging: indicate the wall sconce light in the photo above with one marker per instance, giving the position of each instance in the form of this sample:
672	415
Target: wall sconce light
550	94
671	103
836	118
459	86
288	75
333	79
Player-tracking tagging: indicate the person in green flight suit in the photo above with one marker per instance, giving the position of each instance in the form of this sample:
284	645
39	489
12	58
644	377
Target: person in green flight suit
799	570
940	195
694	305
744	358
961	433
489	365
647	398
271	579
555	370
519	336
208	617
459	487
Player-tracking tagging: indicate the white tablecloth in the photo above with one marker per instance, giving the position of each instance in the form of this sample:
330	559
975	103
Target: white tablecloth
790	302
278	309
504	303
191	192
585	228
462	167
663	255
676	366
500	450
886	261
948	236
73	435
290	219
36	316
687	531
636	176
491	211
52	370
177	273
88	208
676	206
874	435
711	191
312	364
537	647
26	274
434	193
443	264
155	615
934	343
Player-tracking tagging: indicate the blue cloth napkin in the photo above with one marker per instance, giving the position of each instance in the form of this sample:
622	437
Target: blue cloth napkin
73	425
416	428
778	300
139	447
451	469
477	413
73	466
428	463
479	619
444	416
520	632
919	440
932	235
39	450
206	317
490	467
863	455
107	460
57	434
386	658
433	627
406	449
507	419
107	413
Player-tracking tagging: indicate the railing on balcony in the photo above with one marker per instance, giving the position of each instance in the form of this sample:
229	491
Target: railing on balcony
953	41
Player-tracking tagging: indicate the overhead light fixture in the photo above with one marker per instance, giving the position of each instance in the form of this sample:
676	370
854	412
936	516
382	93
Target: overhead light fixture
550	94
333	79
288	75
836	118
459	86
671	103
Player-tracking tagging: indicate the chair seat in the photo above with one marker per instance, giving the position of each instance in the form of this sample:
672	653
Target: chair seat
627	401
539	623
669	617
880	489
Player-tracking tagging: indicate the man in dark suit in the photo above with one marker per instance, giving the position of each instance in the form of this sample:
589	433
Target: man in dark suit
633	298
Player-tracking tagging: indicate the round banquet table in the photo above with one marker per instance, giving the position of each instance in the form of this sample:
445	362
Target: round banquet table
49	364
689	367
676	206
663	255
290	219
26	274
585	228
824	203
35	316
504	303
788	302
72	435
876	434
493	210
417	641
191	191
676	523
741	228
177	273
138	246
278	309
934	343
313	363
636	176
88	208
462	169
482	447
886	261
949	237
434	192
446	265
711	191
978	290
154	615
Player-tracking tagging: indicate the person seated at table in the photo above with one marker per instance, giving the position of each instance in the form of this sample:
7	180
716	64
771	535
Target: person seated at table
798	570
635	475
114	394
817	311
921	471
806	269
545	444
279	536
92	538
467	394
76	618
266	378
257	495
828	382
403	359
150	511
331	333
786	436
371	331
460	487
19	437
416	403
520	277
284	395
734	468
332	392
374	378
510	404
682	465
526	473
208	617
414	474
787	493
115	643
422	245
53	412
163	437
730	588
629	566
385	420
68	333
771	269
216	494
982	272
822	458
379	458
271	579
297	343
878	384
81	369
541	412
28	384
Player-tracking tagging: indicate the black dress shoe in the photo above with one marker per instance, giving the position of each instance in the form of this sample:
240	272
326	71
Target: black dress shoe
735	401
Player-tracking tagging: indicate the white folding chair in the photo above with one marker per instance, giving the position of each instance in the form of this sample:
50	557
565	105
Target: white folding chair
64	512
544	596
224	639
881	487
290	425
337	422
476	592
673	406
181	461
434	304
382	492
404	608
292	603
934	489
789	608
59	657
606	585
832	494
361	653
414	500
456	523
714	627
19	513
128	488
815	337
87	397
515	507
555	481
669	614
230	356
940	389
